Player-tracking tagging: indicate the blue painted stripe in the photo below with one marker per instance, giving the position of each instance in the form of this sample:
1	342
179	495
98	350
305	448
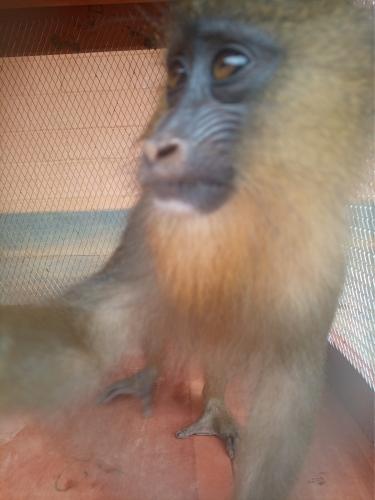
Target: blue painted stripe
45	233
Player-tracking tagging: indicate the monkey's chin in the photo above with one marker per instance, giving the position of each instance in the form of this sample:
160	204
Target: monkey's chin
189	197
175	206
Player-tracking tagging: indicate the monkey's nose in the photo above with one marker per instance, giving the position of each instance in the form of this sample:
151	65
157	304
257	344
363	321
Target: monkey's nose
171	150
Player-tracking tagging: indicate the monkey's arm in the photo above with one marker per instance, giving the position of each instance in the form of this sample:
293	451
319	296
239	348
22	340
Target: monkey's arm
46	358
55	353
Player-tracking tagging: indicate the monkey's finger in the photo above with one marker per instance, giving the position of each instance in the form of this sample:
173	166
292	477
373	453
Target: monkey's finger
112	392
140	385
231	445
215	421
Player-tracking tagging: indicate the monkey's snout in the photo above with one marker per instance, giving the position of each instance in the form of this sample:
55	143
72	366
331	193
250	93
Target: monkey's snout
171	169
164	160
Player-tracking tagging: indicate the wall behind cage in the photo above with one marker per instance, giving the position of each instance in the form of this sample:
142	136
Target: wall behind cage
69	133
69	126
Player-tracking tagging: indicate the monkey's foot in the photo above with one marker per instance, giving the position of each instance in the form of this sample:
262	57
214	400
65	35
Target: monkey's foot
215	421
140	384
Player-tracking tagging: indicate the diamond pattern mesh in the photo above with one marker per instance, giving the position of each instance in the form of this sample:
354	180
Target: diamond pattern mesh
353	332
69	128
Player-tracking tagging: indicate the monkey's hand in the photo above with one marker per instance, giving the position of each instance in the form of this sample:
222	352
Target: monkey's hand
141	385
215	421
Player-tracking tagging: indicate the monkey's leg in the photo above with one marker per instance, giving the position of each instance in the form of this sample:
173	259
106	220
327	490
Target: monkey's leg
215	420
274	443
140	385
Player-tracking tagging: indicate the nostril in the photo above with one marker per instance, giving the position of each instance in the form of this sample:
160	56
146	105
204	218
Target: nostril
166	150
171	149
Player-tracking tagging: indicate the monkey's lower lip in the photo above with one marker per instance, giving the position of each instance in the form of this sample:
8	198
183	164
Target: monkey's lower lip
204	195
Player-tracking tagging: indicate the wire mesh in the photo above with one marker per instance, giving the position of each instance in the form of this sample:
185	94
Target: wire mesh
75	94
353	331
73	104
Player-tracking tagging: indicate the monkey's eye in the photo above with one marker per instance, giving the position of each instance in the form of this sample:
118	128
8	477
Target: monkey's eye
228	62
177	74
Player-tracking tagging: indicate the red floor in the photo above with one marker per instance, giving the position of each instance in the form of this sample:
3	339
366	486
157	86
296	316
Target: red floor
112	452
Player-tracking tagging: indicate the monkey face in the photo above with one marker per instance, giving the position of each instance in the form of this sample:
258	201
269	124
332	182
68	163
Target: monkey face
217	70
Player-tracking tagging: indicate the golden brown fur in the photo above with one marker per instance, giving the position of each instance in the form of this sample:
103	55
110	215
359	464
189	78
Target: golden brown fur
260	276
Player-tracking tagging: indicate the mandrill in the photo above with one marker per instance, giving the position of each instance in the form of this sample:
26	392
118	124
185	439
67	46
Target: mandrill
234	252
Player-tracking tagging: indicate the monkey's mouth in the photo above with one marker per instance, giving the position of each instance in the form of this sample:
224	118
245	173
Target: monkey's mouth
204	195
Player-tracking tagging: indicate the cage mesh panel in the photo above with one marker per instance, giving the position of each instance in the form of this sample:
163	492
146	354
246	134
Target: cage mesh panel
69	125
69	130
353	332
